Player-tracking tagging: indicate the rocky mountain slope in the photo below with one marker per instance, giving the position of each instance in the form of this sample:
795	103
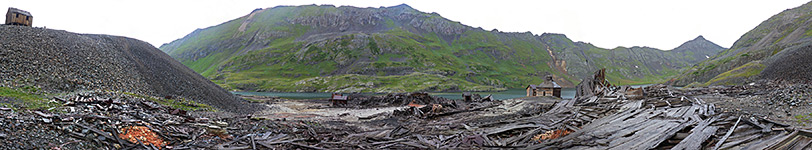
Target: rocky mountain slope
766	45
628	65
399	49
55	61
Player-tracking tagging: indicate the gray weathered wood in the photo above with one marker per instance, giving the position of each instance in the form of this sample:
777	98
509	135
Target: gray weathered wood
729	132
699	134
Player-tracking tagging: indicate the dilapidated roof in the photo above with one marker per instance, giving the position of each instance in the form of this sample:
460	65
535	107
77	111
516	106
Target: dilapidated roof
549	84
19	11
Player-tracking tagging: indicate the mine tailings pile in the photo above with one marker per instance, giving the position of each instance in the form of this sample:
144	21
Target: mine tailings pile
55	61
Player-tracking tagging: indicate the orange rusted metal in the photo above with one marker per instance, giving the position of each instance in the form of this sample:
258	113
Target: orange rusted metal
552	134
143	134
413	104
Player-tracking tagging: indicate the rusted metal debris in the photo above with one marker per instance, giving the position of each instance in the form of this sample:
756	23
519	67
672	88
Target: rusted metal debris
141	134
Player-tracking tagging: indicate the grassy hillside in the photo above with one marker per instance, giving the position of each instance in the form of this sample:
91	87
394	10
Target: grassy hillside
787	29
396	49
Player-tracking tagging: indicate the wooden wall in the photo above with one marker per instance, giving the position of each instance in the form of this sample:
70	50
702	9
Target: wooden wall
18	19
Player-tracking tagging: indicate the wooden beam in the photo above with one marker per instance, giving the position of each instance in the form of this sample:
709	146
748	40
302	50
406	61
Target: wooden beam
729	132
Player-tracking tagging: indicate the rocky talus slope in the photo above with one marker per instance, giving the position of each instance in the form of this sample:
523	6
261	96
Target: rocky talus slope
792	64
55	61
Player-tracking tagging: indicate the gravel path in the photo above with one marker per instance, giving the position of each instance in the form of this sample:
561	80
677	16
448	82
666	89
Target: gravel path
61	61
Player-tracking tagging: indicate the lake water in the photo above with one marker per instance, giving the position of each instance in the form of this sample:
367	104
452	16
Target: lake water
566	93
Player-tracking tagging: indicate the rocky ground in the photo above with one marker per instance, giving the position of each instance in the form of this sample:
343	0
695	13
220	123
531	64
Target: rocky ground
108	120
116	120
789	103
55	61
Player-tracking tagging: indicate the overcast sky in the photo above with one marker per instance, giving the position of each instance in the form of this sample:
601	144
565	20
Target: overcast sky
605	23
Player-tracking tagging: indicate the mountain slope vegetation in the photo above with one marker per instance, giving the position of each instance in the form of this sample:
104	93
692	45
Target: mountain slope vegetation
400	49
747	58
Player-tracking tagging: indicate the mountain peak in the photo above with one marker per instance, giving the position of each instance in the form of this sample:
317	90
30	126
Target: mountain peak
404	6
699	42
700	47
700	37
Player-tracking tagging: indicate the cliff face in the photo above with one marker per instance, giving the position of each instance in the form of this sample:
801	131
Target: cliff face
59	61
399	49
742	63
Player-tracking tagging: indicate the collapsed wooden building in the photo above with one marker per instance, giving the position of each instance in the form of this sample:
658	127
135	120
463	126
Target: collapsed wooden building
546	88
16	16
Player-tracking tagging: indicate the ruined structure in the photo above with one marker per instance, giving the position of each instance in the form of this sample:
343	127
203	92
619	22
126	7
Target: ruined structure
546	88
16	16
338	98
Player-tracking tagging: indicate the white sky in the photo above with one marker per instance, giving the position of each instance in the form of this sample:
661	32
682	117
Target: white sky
605	23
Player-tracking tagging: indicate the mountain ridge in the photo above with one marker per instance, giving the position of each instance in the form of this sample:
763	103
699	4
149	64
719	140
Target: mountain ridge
395	49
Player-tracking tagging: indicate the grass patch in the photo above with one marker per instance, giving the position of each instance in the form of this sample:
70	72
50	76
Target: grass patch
738	73
16	98
803	119
182	104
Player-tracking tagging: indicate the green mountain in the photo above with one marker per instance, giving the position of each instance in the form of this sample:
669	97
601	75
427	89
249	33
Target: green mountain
400	49
756	51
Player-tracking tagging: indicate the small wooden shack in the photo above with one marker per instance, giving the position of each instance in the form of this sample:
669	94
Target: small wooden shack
467	96
16	16
338	98
546	88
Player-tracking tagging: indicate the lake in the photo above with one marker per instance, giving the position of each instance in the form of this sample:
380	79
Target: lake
566	93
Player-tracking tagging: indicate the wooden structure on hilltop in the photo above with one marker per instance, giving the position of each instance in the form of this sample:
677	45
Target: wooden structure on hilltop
546	88
16	16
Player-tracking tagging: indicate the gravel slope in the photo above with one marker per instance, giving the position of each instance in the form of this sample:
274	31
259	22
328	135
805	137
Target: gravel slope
792	64
60	61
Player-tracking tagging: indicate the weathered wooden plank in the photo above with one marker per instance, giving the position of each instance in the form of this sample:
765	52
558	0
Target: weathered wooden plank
413	144
699	134
729	132
736	142
514	127
680	136
653	136
764	143
632	105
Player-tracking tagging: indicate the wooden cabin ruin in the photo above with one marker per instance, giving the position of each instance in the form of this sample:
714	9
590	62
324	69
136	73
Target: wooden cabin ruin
16	16
338	99
467	96
546	88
